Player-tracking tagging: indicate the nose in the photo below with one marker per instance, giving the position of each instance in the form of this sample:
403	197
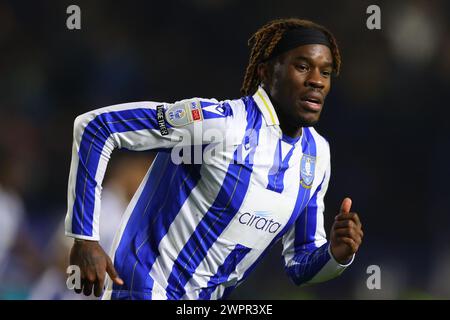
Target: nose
314	80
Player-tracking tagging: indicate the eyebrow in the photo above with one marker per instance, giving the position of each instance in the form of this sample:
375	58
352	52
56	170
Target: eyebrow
326	64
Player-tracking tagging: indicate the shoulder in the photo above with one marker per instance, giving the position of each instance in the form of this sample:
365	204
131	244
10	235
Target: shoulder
214	108
321	142
322	149
236	112
226	116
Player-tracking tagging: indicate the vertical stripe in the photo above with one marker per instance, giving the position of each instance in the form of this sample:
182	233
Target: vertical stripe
275	169
127	219
312	211
276	176
159	172
308	258
302	226
219	215
284	166
224	271
306	225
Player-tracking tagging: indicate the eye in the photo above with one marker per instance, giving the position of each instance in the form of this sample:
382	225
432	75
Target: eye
302	67
326	73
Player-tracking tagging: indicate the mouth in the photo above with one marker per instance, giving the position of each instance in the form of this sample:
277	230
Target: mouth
312	102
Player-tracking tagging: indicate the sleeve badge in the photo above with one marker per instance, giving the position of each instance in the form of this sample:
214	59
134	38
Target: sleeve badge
184	113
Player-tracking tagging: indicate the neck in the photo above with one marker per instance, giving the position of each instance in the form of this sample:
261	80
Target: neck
293	130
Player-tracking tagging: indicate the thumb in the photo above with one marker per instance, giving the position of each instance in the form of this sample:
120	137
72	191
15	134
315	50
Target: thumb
346	205
113	273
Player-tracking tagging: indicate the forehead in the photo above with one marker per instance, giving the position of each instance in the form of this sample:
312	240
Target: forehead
317	53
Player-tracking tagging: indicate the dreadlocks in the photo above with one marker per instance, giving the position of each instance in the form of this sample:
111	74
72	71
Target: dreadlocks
266	38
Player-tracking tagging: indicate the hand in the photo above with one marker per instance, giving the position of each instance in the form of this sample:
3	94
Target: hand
346	234
93	262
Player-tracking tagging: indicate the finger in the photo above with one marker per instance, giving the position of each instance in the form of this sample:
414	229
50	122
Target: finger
354	232
345	223
349	216
113	273
344	232
355	218
98	287
347	233
99	282
348	224
78	290
350	243
87	288
346	205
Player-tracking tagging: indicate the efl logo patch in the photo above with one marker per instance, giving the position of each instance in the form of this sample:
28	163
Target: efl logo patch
307	170
196	111
196	115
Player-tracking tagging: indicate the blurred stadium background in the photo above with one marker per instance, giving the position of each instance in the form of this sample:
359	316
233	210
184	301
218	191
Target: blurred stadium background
386	119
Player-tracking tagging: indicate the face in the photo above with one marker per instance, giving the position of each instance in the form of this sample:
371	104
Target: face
298	82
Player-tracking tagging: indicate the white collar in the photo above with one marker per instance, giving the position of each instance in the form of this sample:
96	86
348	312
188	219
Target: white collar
263	102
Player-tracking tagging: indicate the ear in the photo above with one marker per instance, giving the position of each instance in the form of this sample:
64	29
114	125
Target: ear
264	73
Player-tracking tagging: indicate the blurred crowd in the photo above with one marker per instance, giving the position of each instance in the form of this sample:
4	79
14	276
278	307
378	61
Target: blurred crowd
386	119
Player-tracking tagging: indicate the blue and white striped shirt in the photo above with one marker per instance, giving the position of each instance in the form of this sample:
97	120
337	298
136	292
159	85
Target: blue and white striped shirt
196	228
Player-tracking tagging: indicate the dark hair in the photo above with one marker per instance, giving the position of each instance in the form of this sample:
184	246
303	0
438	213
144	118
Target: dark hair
266	38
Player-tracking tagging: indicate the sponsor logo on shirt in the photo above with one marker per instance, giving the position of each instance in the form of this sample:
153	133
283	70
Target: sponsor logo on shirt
260	220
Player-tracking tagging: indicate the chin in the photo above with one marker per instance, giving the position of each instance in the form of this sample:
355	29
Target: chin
308	121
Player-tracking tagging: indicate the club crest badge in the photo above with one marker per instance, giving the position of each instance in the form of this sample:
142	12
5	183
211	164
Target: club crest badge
307	170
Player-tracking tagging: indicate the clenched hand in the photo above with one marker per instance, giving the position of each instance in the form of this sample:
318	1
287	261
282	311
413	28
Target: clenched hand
346	233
